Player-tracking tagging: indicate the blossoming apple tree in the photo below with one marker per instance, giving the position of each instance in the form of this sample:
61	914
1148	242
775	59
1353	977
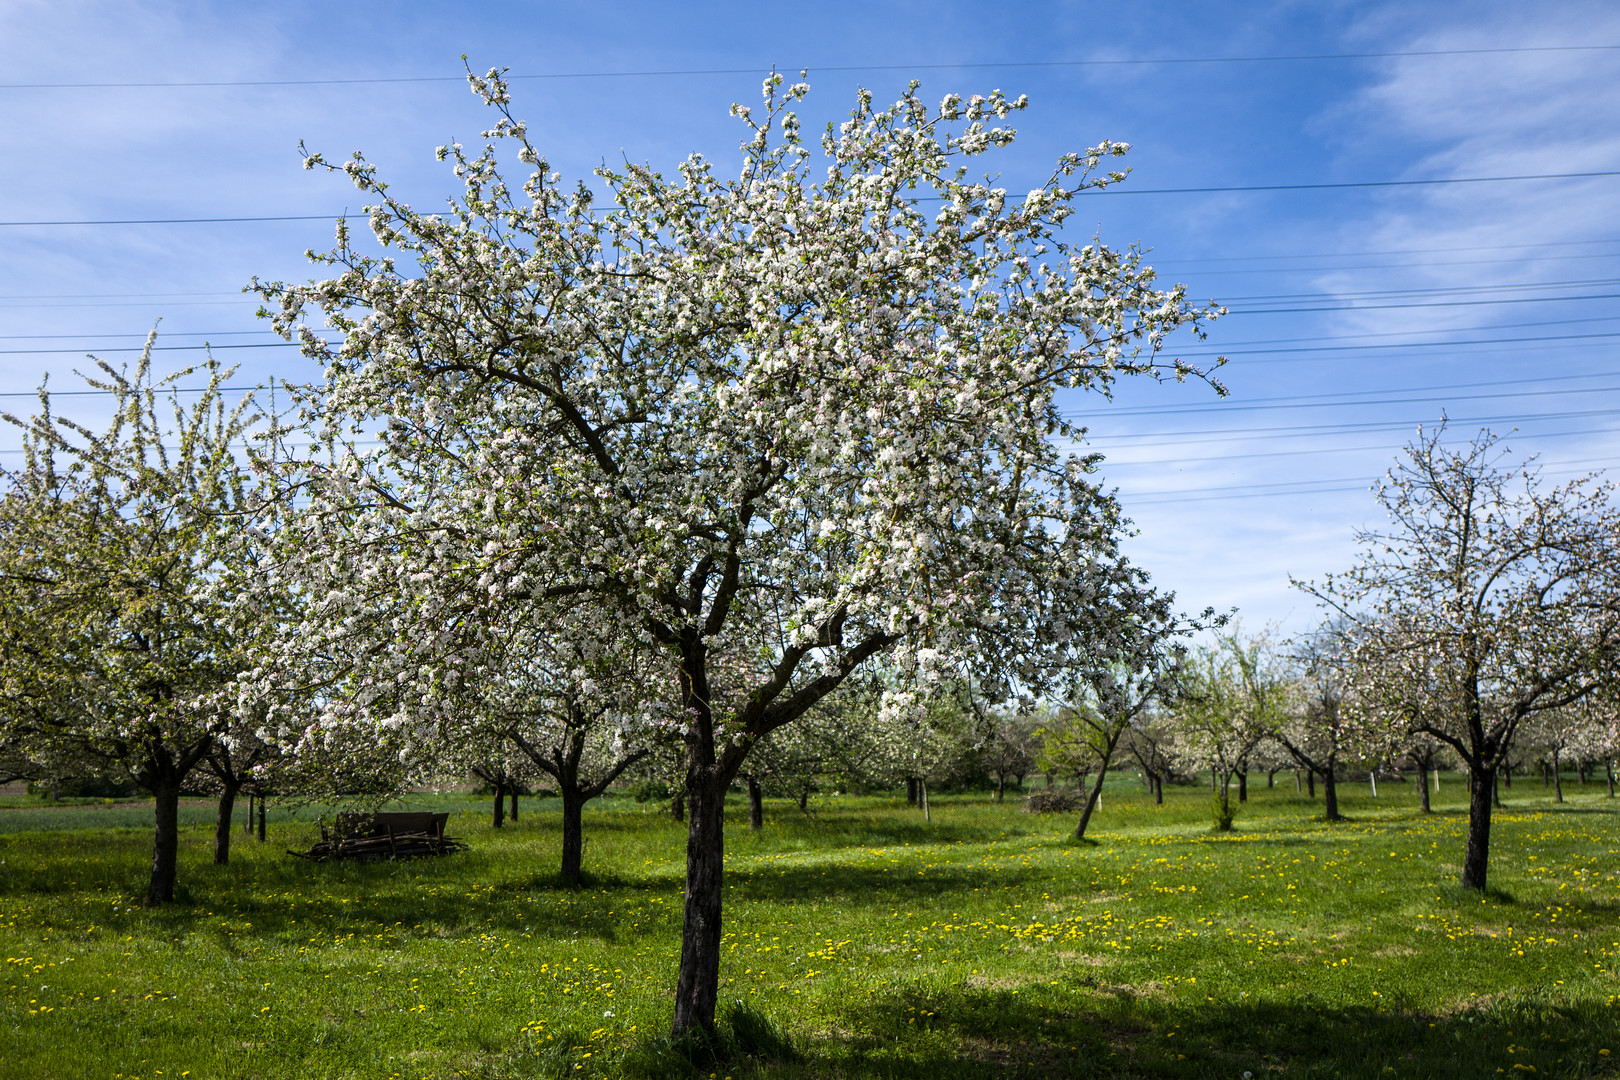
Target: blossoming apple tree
766	427
121	651
1488	600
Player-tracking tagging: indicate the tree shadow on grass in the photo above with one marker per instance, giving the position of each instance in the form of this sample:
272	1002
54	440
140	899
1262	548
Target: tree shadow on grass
894	886
1081	1027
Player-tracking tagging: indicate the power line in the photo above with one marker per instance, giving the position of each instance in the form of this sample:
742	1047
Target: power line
1540	339
1388	294
156	348
1282	270
1294	431
181	221
1426	304
975	65
1112	190
1402	251
1131	410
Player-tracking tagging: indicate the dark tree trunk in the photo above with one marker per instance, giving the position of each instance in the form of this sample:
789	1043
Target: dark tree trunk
499	816
1091	804
1507	777
1310	783
573	834
1423	787
1558	780
165	842
261	817
677	806
1271	778
911	791
1243	785
222	823
1496	791
514	803
804	798
756	805
1001	788
1158	790
1330	795
247	826
1299	785
1608	770
1477	857
697	985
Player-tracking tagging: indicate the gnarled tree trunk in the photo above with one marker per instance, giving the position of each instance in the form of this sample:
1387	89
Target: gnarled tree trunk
697	986
756	804
165	842
1330	794
1091	803
1476	858
222	823
573	833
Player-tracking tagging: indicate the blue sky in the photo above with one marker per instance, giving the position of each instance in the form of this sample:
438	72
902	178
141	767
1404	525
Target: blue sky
1358	313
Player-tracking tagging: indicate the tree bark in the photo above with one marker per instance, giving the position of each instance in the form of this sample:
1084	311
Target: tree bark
1330	795
911	791
1310	783
698	984
1001	787
1423	787
1558	780
1477	856
1608	770
1243	785
677	806
165	843
222	823
247	826
573	834
514	794
804	798
1091	803
756	805
499	815
1158	790
261	817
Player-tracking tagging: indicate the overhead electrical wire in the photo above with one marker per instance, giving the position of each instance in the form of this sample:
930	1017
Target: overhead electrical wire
1112	190
952	66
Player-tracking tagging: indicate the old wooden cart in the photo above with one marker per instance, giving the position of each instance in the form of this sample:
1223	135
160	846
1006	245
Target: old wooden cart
384	835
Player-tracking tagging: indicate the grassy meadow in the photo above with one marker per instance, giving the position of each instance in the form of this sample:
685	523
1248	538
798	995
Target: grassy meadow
861	941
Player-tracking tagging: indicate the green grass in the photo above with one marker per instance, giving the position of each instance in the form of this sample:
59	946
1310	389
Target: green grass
861	941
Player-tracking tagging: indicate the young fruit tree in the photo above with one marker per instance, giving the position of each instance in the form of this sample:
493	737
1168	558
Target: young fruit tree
1219	717
772	427
1489	598
119	653
1318	730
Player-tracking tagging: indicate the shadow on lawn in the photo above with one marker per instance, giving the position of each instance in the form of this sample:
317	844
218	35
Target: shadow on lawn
1083	1028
